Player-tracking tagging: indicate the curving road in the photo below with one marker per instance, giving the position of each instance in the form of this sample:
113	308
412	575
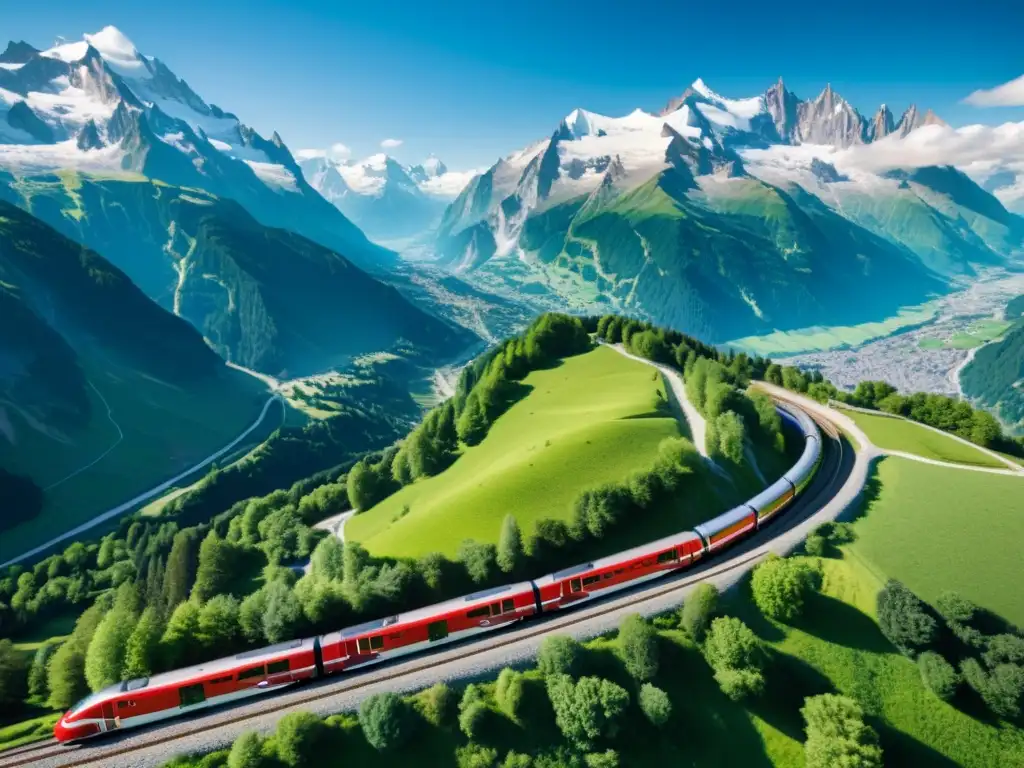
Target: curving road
837	486
120	509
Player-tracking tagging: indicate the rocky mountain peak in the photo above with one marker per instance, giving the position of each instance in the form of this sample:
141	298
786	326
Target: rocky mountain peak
829	119
18	53
782	104
881	124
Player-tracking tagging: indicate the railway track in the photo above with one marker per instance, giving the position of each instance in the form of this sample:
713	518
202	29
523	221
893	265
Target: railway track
836	470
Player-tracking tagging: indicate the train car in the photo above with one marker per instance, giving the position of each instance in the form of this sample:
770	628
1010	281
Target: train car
719	532
624	569
146	700
806	467
428	627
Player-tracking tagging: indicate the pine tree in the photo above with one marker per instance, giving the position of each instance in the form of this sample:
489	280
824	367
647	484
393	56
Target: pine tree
214	573
510	545
473	423
181	567
142	647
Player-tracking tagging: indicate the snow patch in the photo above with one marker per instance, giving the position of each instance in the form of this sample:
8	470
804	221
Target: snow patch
274	175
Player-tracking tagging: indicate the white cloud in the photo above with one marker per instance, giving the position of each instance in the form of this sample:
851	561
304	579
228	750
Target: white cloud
980	151
1009	94
310	154
391	143
339	151
450	184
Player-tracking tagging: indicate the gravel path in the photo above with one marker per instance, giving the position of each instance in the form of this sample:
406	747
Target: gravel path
698	427
836	489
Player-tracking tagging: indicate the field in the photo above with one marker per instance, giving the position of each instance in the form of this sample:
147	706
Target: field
936	529
821	338
837	646
975	335
901	435
593	419
165	429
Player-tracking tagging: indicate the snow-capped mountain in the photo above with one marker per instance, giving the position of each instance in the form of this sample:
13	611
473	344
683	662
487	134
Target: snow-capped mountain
727	217
98	105
387	200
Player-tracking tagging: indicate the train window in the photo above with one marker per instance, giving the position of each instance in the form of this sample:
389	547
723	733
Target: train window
591	580
495	609
609	575
437	630
190	695
220	680
619	570
376	642
480	612
126	704
364	645
245	674
508	605
278	666
575	585
666	557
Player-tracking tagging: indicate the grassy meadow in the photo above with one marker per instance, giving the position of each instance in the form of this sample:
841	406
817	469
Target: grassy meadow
593	419
935	529
902	435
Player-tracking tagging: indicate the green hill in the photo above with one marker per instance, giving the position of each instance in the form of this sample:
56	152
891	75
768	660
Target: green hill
264	298
93	368
593	419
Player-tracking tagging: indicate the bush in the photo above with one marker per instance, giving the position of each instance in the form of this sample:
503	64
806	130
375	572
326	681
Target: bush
837	734
299	738
247	752
438	704
781	585
815	545
731	643
474	720
1001	689
586	710
385	720
639	644
655	704
739	684
559	654
1004	649
736	656
509	691
607	759
698	611
13	677
903	618
476	756
938	675
955	607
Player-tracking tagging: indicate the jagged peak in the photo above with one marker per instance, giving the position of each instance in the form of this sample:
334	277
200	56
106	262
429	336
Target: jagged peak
18	52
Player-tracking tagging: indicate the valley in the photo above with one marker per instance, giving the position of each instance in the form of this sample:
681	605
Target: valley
928	357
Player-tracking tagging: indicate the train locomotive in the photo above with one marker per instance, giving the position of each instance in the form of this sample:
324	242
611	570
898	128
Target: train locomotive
143	701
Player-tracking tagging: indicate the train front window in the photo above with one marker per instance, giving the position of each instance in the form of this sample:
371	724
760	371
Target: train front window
88	701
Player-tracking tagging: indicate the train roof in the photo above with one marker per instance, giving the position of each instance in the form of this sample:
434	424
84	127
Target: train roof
710	527
770	494
244	659
455	604
649	548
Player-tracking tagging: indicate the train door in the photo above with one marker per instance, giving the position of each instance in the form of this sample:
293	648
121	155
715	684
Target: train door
109	721
437	630
190	695
572	587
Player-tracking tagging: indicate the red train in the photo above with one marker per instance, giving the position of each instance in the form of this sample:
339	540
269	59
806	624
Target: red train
170	694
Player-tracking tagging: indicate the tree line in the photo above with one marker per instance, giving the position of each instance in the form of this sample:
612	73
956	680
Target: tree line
946	413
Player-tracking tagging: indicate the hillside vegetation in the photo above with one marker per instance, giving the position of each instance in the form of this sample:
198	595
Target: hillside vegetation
265	298
592	419
78	339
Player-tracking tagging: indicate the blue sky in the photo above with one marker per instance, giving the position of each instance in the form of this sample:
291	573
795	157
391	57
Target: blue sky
471	80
